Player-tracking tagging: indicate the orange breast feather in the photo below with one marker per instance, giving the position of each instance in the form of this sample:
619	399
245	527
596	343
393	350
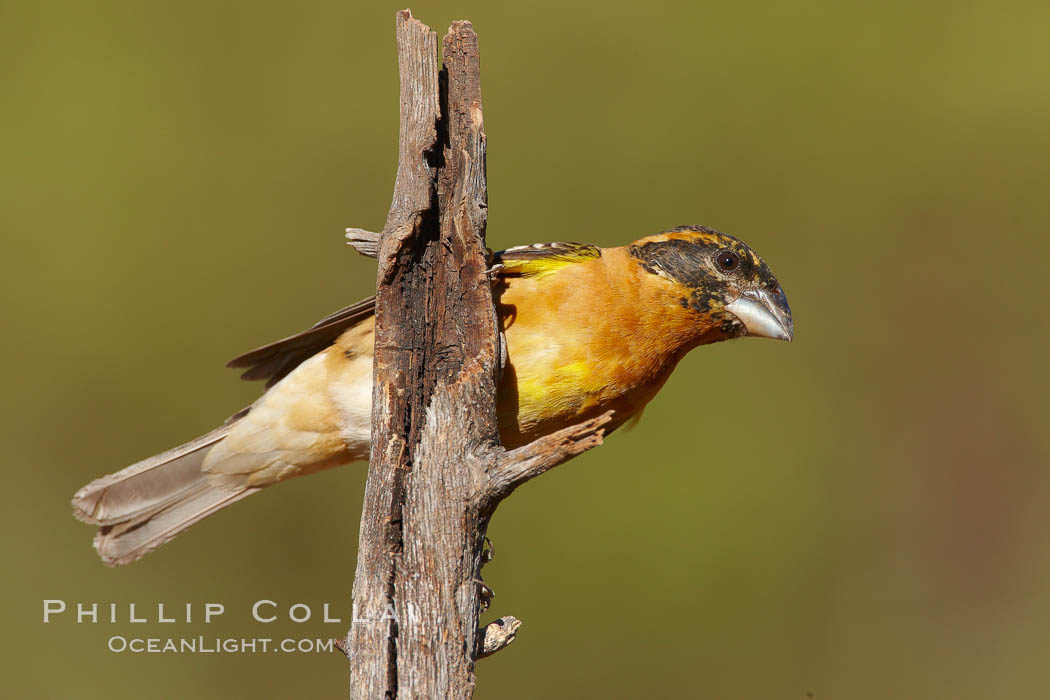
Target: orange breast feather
595	335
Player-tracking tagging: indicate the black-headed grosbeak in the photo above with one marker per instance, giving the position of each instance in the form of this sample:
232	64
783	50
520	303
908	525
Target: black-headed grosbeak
587	330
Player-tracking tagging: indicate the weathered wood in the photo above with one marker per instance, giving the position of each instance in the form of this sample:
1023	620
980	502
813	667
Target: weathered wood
364	242
372	640
437	471
497	635
436	592
517	466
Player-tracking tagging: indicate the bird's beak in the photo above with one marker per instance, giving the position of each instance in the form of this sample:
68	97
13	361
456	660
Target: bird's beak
764	314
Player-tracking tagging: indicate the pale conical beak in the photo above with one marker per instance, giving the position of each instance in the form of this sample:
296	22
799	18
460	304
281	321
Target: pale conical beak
764	314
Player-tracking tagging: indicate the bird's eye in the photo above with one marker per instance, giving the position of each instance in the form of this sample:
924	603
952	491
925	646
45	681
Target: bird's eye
727	260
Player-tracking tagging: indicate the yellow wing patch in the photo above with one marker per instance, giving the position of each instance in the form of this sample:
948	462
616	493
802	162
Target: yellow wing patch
541	259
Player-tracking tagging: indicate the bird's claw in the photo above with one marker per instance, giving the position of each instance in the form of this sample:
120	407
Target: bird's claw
486	594
494	273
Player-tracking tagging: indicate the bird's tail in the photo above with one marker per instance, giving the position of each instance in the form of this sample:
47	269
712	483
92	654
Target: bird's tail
145	505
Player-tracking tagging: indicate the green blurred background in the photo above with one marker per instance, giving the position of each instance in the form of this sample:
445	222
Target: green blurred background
870	520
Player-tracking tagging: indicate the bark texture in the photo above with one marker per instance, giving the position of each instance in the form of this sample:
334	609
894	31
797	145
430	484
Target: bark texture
436	471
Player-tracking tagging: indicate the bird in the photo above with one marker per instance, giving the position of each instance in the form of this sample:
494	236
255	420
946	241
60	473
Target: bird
587	330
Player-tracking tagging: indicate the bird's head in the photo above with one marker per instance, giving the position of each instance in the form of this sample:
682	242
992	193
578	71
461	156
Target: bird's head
720	278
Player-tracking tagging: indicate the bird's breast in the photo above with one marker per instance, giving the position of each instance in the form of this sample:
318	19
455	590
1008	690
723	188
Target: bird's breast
579	343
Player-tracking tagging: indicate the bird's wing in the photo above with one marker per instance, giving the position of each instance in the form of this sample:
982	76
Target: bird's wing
274	361
542	259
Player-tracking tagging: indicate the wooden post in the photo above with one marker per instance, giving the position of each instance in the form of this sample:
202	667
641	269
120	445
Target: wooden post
436	471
